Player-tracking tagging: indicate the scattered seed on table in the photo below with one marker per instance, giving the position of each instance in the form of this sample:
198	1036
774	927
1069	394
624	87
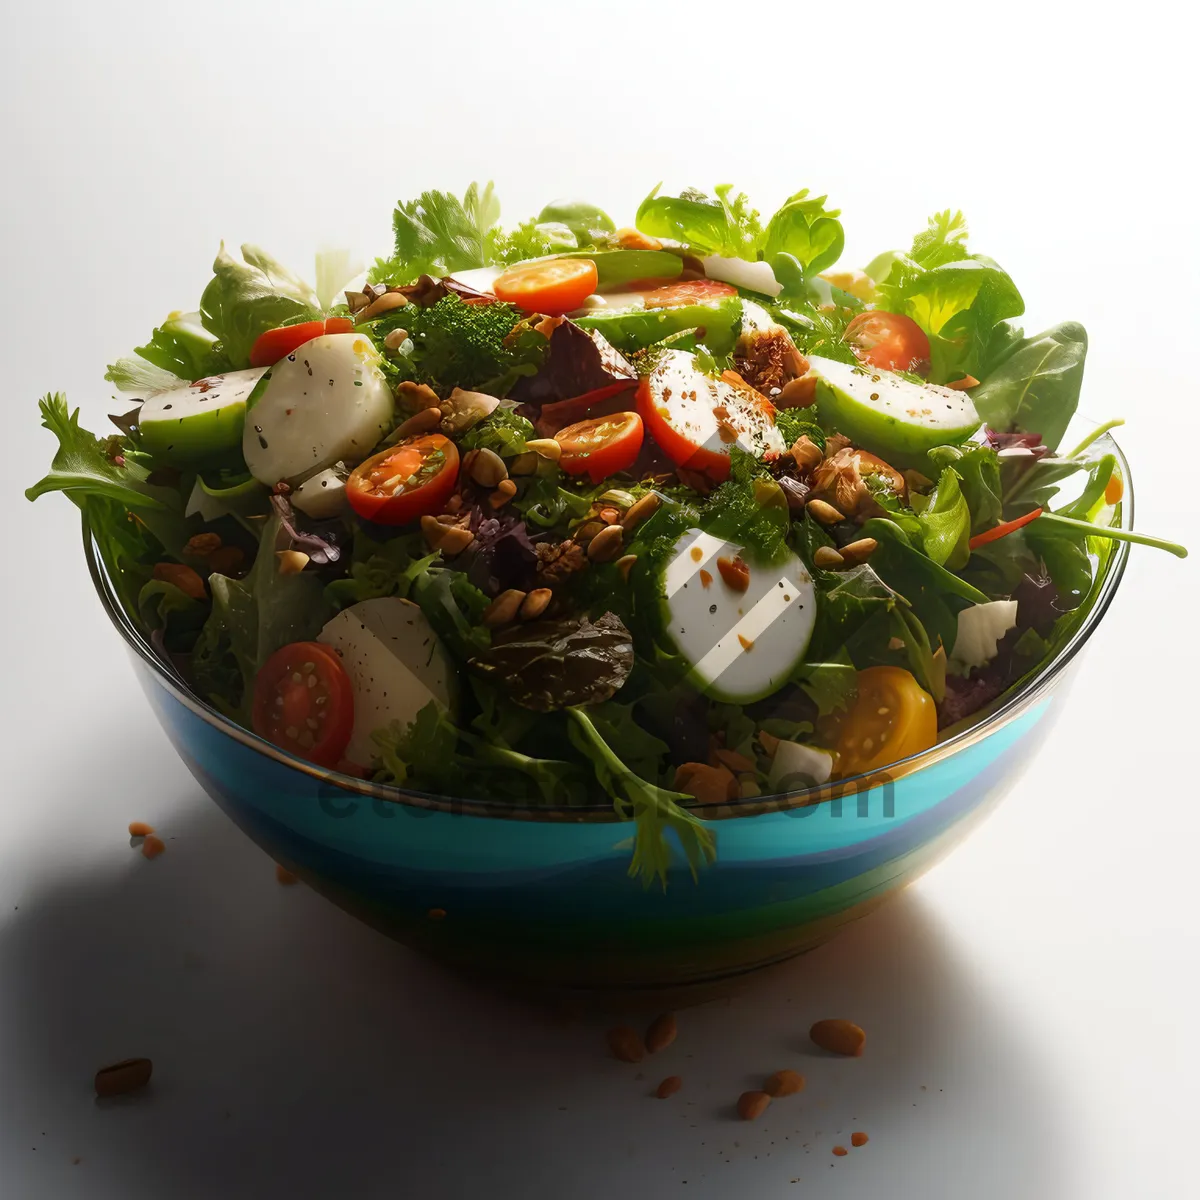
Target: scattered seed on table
140	829
436	914
784	1083
669	1087
626	1044
752	1105
839	1037
153	846
122	1077
284	876
662	1032
859	1139
840	1151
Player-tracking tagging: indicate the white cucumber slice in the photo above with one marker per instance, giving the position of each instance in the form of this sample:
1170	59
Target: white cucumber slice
327	400
742	645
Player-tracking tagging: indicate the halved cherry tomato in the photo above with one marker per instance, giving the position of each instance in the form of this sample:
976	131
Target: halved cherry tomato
304	702
687	291
601	446
889	341
560	413
695	418
552	286
276	344
892	717
405	481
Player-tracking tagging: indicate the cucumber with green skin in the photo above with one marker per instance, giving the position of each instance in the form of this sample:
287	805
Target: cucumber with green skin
888	414
616	267
199	423
633	329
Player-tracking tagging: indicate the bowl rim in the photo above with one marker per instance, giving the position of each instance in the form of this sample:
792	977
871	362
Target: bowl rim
598	811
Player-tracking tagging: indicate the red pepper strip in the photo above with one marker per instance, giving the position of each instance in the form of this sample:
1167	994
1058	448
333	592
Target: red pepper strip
561	413
1002	530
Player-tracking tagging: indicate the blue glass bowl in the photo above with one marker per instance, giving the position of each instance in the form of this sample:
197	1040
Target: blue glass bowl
543	894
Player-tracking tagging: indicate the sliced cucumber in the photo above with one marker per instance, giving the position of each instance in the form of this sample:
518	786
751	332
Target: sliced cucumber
396	666
632	329
742	645
327	400
201	422
888	414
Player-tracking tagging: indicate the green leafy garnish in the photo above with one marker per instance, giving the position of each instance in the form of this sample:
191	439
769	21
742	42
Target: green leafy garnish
946	523
653	809
245	299
253	617
479	347
958	298
1034	387
803	235
749	508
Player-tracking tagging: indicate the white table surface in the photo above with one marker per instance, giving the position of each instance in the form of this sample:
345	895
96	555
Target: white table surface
1031	1005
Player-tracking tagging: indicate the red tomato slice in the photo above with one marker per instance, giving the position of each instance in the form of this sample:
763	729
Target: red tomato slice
304	702
405	481
601	446
695	419
889	341
560	413
276	344
552	286
688	291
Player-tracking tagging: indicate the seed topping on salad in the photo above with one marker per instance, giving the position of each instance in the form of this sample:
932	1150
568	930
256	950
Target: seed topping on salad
670	517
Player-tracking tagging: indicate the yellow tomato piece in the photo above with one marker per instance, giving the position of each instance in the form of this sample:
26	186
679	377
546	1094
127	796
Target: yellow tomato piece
892	718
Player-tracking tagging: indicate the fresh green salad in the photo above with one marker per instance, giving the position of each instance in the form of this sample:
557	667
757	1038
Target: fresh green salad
680	514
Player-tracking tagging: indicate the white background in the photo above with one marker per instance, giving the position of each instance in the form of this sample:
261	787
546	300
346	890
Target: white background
1031	1005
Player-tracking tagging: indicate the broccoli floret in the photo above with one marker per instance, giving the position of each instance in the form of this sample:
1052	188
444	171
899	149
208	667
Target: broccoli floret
481	347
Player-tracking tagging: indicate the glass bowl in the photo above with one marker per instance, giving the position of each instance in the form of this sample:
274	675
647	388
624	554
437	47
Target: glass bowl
542	894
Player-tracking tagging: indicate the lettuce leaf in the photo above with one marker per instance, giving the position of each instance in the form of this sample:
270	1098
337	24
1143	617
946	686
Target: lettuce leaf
245	299
946	523
179	351
802	239
956	297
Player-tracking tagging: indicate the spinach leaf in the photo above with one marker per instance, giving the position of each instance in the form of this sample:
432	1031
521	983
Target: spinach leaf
1093	491
1064	552
805	229
933	593
553	664
946	523
1035	386
978	470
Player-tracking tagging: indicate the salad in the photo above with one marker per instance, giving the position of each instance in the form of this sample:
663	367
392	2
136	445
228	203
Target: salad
679	514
